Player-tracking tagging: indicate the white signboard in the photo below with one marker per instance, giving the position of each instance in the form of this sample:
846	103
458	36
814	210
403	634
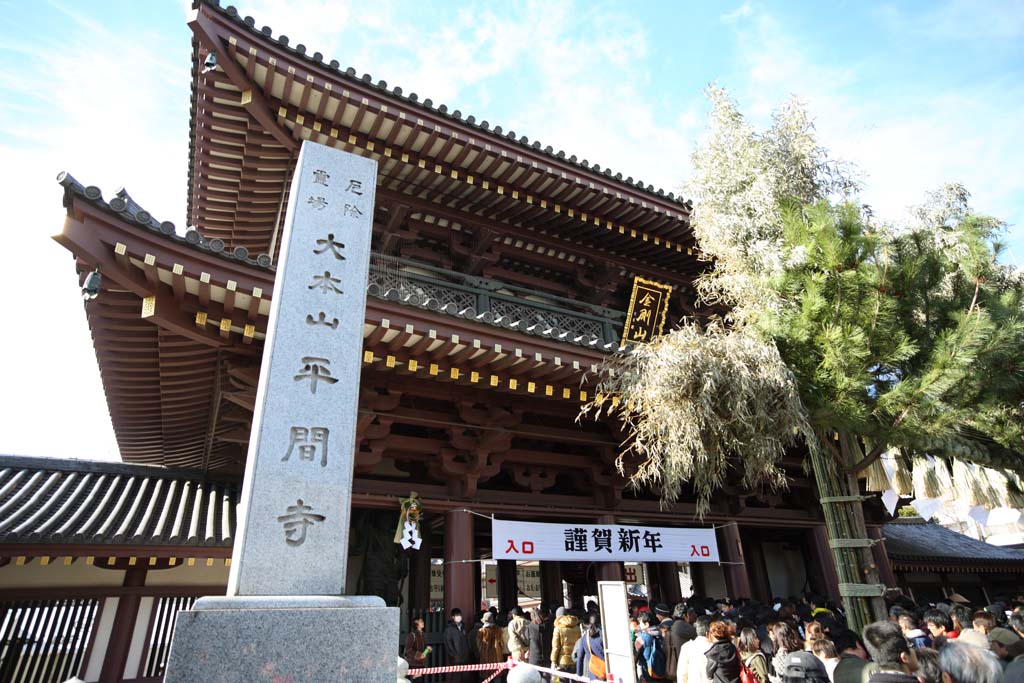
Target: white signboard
618	644
601	543
527	581
634	574
436	582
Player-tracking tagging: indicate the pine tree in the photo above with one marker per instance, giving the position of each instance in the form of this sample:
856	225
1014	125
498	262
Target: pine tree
847	336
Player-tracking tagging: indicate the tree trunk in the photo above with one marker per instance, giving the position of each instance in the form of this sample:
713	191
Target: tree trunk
847	533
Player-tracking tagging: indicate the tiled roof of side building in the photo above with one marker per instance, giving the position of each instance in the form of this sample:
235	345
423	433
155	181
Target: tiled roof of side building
497	132
913	539
57	501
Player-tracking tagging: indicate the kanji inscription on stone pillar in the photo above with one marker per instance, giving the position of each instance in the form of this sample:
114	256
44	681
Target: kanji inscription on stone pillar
292	536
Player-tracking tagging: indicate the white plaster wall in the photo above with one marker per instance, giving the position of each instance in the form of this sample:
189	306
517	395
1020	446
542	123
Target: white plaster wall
133	663
787	574
714	580
35	575
197	575
101	639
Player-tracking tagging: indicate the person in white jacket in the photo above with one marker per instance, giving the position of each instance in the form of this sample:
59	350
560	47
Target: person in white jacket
693	665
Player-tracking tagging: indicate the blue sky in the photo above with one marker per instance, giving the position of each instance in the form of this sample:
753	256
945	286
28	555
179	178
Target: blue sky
914	93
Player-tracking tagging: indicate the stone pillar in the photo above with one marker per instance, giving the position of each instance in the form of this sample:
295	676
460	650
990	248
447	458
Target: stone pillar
460	572
825	560
508	585
291	543
609	571
730	549
124	626
551	592
881	557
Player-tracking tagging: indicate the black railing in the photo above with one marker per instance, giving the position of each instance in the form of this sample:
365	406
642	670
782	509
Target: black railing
493	302
44	641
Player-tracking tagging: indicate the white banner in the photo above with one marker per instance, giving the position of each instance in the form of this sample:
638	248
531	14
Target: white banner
601	543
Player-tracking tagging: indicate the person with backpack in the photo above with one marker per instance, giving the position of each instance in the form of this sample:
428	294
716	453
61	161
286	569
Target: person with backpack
752	658
590	660
787	641
650	646
723	658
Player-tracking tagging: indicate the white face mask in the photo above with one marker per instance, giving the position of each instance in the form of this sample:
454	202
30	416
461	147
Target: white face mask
457	619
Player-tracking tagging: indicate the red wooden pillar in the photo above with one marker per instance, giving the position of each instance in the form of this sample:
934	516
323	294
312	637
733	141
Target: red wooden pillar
730	550
761	585
609	571
551	591
460	572
120	641
508	585
881	557
822	553
668	582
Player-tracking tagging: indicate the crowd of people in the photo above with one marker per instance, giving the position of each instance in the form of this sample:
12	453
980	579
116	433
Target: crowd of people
808	641
559	640
791	641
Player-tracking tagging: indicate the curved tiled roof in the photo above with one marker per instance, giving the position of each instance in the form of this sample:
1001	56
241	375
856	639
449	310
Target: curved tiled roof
496	132
915	540
48	500
125	208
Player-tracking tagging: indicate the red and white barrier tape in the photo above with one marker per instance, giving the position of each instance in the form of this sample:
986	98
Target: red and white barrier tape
455	668
503	666
564	675
497	673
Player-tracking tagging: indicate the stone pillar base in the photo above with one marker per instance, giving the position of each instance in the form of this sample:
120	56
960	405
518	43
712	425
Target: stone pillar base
285	639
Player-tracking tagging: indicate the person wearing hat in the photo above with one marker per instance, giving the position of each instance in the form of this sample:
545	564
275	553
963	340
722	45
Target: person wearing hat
1005	643
896	660
803	667
490	641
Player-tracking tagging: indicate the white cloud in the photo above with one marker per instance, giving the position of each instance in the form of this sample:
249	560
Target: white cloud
906	143
741	12
109	110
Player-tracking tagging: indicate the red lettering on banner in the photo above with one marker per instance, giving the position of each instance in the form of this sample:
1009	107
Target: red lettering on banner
702	551
527	547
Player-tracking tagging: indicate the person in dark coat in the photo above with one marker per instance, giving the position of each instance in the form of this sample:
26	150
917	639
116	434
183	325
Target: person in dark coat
723	658
536	653
679	633
456	645
591	643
